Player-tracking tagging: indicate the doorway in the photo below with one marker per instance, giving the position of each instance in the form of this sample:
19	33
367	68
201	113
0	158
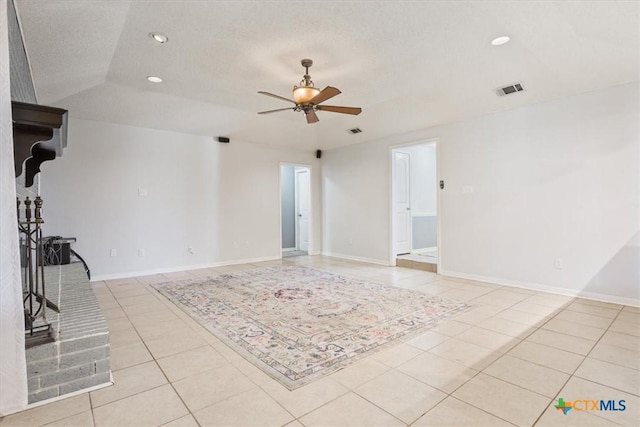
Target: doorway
295	199
414	206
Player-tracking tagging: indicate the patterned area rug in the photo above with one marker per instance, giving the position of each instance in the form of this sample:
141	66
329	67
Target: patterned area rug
297	323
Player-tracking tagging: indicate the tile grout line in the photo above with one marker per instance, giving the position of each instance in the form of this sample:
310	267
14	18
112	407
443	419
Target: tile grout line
573	375
504	354
466	403
155	361
167	302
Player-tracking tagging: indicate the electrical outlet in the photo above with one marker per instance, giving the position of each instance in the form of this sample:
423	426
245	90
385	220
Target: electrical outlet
141	252
143	192
559	263
113	252
466	189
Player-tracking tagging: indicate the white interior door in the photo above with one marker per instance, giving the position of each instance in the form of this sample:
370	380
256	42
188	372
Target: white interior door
401	204
302	208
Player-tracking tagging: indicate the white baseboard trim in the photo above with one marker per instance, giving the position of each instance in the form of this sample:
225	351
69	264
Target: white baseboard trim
243	261
545	288
610	298
288	249
356	258
423	250
181	268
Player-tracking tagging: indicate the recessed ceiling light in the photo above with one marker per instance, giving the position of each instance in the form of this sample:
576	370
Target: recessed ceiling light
160	38
154	79
500	40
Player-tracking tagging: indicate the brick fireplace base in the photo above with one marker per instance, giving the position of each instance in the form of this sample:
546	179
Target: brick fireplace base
79	358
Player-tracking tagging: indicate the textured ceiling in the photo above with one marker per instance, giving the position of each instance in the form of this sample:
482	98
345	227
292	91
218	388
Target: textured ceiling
409	65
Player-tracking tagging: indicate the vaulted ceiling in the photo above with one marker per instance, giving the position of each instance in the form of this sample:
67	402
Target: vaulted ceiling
409	65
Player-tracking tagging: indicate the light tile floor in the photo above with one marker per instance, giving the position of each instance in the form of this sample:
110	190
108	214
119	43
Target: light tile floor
505	362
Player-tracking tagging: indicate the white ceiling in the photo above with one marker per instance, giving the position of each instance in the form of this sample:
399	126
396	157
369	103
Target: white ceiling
409	65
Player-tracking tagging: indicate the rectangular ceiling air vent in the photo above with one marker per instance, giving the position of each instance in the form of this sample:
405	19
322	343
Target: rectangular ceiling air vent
354	131
508	90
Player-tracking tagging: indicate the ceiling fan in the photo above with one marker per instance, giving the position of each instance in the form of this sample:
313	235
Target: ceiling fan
308	98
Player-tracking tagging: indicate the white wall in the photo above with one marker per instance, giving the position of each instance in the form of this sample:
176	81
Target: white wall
355	202
223	200
553	180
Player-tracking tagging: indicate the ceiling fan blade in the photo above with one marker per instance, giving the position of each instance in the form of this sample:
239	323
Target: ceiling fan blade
276	96
344	110
311	116
326	93
275	111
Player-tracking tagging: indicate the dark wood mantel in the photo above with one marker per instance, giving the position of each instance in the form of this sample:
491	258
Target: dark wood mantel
39	134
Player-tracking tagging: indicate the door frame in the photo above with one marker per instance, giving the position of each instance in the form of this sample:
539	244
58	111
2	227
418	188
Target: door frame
311	204
436	142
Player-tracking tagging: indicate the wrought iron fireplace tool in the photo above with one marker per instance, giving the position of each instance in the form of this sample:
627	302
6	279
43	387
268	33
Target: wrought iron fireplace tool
38	329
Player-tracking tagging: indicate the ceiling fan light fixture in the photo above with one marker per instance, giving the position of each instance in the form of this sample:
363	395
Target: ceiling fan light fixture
308	99
304	94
